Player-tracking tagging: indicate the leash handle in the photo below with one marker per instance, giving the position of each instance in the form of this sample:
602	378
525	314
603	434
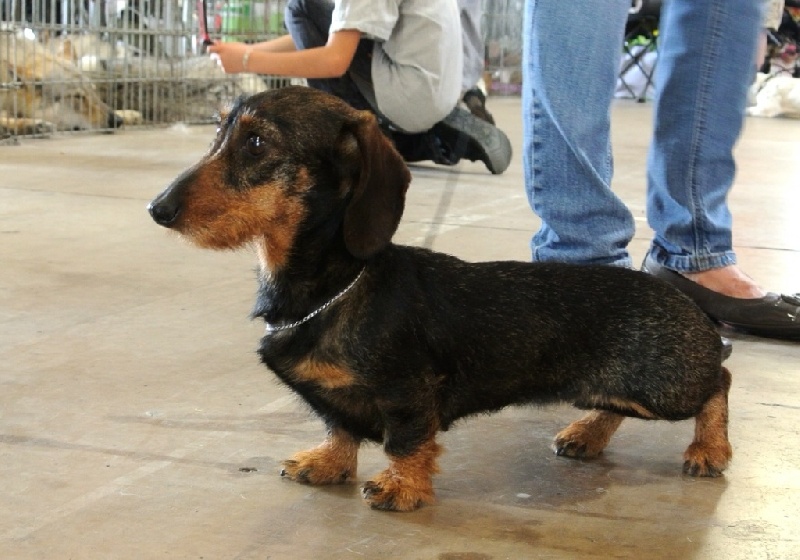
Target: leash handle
202	24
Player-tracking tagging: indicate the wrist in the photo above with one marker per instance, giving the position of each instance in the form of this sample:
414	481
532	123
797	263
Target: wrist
246	58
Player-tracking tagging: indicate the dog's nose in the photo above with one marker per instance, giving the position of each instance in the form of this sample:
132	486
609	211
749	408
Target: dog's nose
163	213
167	207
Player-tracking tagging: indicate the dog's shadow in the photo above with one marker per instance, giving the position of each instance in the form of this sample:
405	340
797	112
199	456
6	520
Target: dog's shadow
502	488
502	459
500	482
507	459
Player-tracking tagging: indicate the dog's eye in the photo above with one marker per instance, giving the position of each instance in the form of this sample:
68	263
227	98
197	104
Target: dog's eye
255	145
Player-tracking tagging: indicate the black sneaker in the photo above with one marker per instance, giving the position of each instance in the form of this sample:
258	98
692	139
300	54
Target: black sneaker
475	101
470	137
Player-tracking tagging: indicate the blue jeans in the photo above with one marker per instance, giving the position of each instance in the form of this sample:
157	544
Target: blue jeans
571	57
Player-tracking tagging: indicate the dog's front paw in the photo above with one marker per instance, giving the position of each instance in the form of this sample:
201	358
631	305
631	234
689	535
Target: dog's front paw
317	466
391	493
333	462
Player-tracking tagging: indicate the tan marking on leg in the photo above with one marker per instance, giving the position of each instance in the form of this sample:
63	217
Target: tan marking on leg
623	405
333	462
408	482
588	436
710	451
330	376
636	408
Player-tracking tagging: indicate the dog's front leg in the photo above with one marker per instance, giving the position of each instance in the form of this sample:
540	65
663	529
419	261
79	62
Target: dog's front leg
408	482
332	462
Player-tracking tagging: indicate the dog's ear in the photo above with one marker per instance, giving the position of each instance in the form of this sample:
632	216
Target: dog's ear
381	179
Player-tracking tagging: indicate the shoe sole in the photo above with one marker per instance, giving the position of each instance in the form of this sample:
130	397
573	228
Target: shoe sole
489	141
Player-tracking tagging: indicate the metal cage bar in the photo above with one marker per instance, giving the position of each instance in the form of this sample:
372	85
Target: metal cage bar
93	65
502	31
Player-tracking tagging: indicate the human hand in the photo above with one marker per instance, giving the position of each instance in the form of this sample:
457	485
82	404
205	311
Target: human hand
231	57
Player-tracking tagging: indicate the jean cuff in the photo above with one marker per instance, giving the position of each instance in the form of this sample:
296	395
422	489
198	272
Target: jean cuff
691	263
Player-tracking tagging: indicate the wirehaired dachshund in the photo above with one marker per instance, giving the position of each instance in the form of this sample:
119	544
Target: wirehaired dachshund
393	344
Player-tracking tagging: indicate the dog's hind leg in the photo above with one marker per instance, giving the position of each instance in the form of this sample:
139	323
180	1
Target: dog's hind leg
408	482
710	451
333	462
587	437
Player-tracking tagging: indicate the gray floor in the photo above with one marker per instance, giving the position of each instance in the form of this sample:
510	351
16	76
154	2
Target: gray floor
136	421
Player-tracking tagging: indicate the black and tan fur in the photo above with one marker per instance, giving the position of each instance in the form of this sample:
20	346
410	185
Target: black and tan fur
423	339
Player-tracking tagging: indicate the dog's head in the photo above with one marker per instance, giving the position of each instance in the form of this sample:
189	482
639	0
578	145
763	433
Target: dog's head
283	163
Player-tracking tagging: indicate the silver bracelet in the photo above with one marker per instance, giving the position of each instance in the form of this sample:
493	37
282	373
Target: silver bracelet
246	58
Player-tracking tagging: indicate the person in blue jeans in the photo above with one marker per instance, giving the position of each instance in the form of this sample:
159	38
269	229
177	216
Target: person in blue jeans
706	50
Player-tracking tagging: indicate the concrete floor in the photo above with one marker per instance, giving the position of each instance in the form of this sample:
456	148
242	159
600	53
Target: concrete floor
137	423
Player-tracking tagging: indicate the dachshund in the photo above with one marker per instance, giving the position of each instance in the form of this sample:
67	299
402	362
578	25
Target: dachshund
392	344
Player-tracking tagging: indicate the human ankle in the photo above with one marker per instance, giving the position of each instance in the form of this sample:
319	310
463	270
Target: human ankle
729	281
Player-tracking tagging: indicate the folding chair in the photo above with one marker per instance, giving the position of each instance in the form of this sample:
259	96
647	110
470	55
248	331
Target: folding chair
641	39
786	36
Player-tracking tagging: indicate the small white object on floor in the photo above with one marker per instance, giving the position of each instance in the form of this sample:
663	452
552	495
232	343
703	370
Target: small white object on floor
775	95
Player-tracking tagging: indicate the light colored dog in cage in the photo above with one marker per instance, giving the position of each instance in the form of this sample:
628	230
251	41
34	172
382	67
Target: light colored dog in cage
47	85
42	91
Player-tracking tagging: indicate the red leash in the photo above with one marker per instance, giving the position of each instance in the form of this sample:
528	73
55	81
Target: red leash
202	22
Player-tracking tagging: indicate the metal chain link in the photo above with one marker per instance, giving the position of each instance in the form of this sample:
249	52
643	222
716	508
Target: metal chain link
276	328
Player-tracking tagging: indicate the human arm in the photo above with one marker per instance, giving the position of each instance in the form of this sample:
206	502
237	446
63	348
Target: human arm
280	57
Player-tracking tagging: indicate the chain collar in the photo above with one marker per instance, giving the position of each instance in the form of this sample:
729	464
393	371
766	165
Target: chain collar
270	328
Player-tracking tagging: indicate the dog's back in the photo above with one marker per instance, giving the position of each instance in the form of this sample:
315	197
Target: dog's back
503	333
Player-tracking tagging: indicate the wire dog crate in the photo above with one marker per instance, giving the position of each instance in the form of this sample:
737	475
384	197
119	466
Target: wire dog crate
502	31
93	65
68	66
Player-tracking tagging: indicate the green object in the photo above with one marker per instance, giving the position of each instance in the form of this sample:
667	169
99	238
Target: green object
275	24
239	21
251	20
